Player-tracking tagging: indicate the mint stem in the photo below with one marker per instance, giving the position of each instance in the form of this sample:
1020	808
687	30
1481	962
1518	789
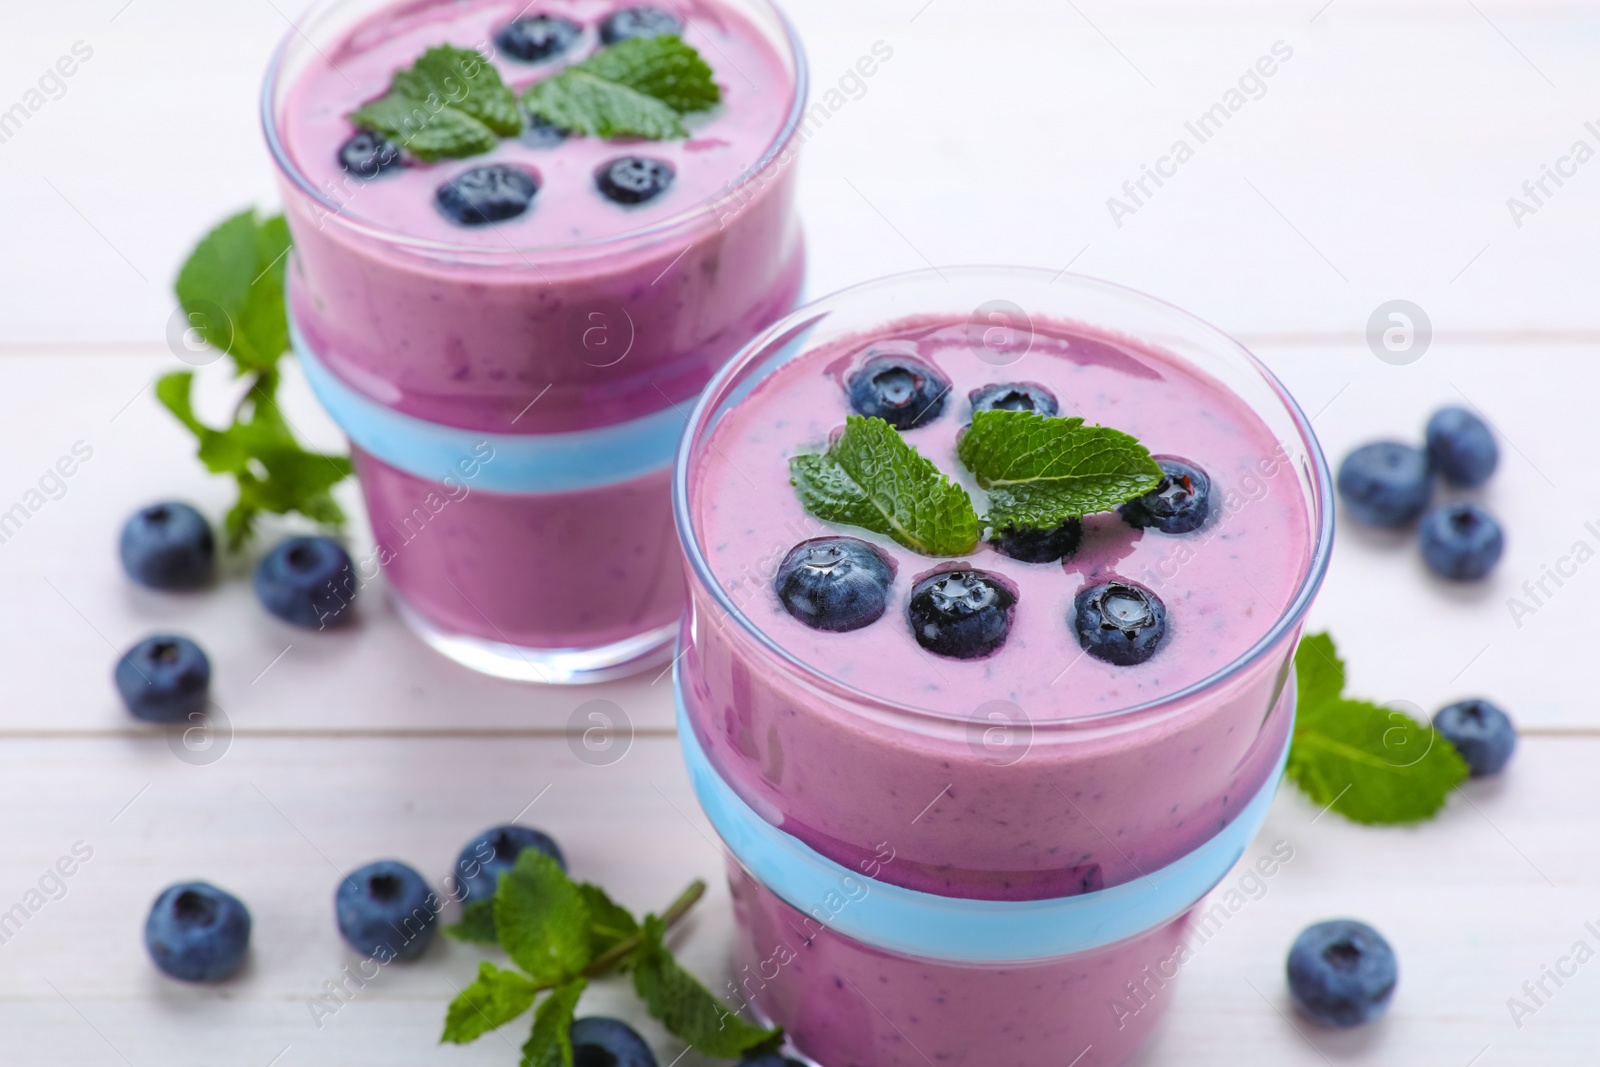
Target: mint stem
611	957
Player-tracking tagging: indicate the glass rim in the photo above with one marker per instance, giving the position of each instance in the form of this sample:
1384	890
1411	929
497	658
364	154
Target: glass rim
681	221
1292	615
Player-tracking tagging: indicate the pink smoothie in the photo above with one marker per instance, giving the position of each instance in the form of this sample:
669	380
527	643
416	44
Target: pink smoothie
468	326
849	740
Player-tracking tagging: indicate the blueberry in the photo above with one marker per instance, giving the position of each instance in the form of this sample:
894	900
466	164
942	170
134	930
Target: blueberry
307	581
1462	447
1179	504
386	911
532	38
540	132
601	1042
494	852
490	193
1342	973
1386	483
168	546
164	679
961	614
1040	546
1481	732
1014	396
836	584
368	154
770	1059
197	933
1120	622
639	22
1461	541
904	392
634	179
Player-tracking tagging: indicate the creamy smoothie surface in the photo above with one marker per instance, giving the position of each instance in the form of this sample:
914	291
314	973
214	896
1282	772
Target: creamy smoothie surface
757	96
1223	585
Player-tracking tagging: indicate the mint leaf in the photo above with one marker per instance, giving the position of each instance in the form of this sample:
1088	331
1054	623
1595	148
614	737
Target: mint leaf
477	924
551	1042
609	922
871	478
636	88
686	1007
494	999
450	103
542	920
1042	471
231	289
1371	764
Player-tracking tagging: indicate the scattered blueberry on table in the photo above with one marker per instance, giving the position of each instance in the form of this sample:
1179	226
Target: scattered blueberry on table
1120	622
904	392
165	679
168	546
1342	973
197	933
1482	733
1462	447
643	21
494	852
634	179
386	910
770	1059
836	584
961	614
1179	504
307	581
1386	483
1461	541
605	1042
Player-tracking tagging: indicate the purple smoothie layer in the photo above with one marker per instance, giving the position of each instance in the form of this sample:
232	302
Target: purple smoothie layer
552	571
845	1004
601	312
866	738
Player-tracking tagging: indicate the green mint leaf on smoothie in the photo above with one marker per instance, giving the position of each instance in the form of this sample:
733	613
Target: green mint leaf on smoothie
1042	471
686	1007
640	87
871	478
495	998
450	104
1369	763
542	919
550	1045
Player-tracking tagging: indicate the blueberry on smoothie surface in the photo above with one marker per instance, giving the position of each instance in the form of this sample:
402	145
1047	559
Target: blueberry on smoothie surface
634	179
1386	483
1014	396
540	132
165	678
197	933
836	584
1119	622
640	21
532	38
1461	541
168	546
901	390
494	852
1482	734
1040	546
386	910
1342	973
1180	503
494	192
367	154
961	614
1462	447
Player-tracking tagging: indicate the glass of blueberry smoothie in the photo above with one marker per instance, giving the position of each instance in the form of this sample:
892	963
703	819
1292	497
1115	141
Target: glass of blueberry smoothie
525	237
996	578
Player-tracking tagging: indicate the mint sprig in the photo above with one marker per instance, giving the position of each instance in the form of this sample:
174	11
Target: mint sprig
639	87
871	478
1371	764
1041	471
231	290
449	104
561	934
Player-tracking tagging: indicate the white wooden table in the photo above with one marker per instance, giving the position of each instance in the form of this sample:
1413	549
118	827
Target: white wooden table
1376	165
